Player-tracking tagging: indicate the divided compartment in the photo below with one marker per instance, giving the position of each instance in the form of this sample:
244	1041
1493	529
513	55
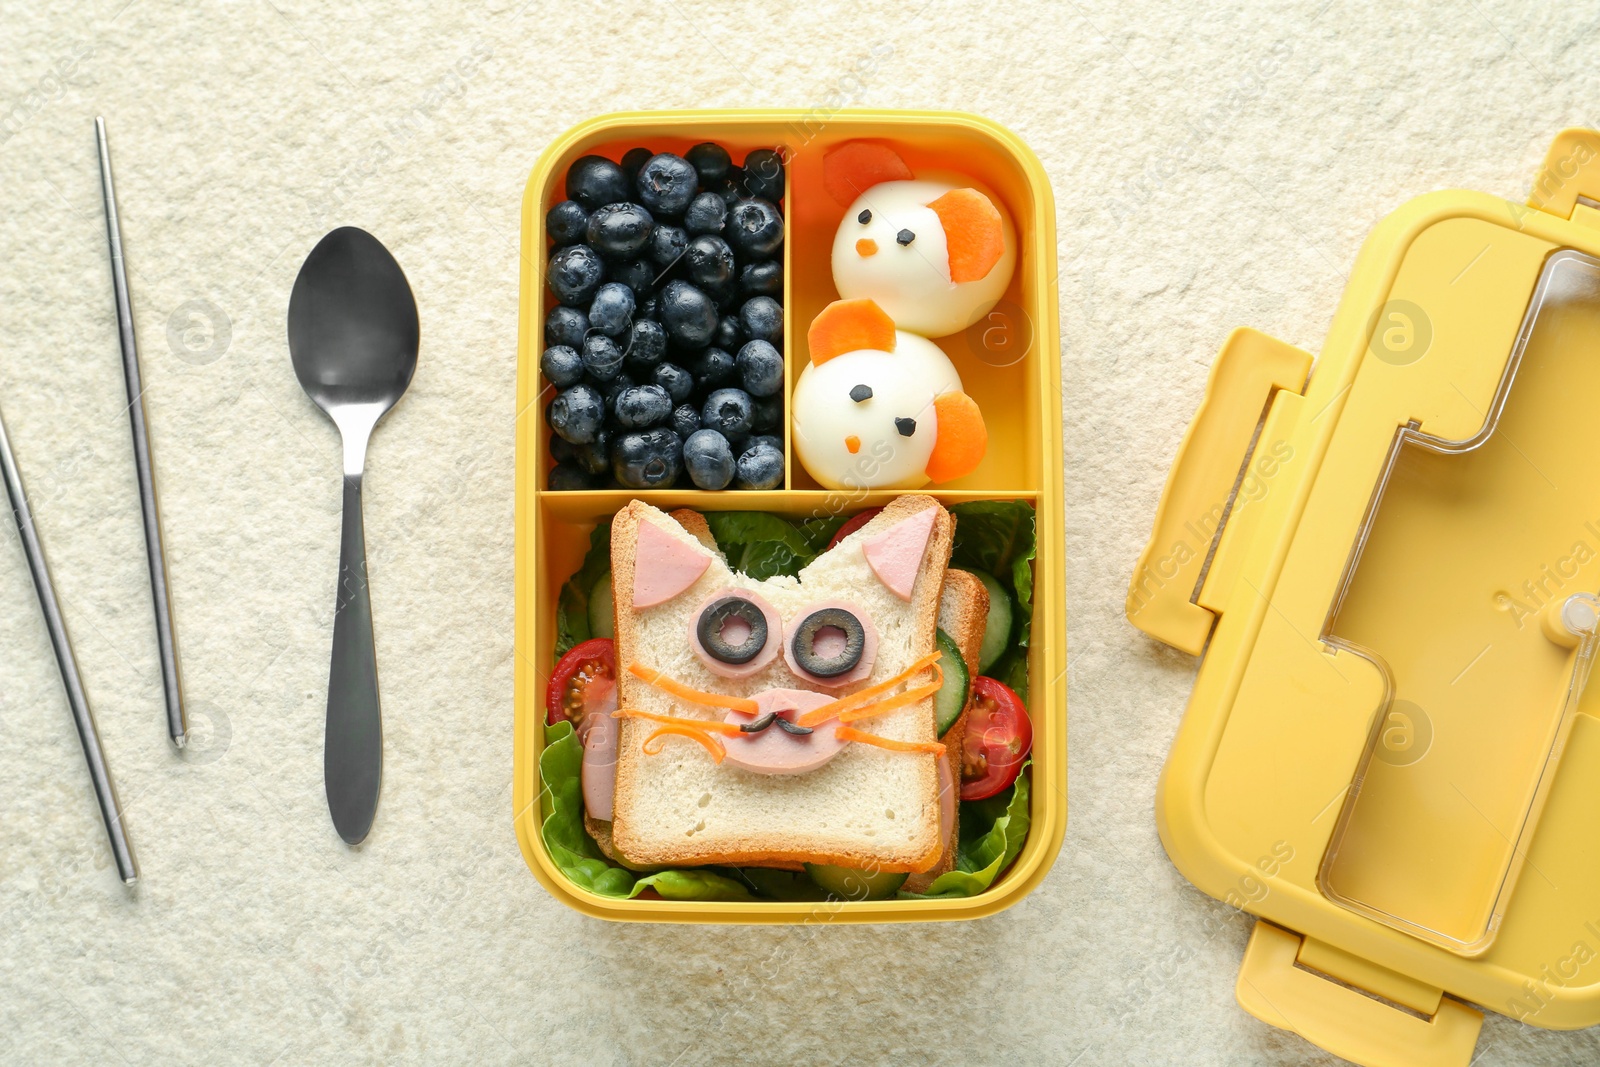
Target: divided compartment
1467	554
1007	363
995	357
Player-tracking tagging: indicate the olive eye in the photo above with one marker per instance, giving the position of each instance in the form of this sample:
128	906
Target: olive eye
829	642
732	630
907	427
905	237
861	393
865	217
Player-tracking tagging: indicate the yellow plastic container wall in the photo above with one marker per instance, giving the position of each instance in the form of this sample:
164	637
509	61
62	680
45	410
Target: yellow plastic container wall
1390	570
1013	372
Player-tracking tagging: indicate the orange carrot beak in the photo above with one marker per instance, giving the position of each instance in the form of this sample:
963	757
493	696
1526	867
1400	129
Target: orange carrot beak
866	247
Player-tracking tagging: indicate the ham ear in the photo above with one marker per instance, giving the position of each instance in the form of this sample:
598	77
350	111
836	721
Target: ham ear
895	555
664	566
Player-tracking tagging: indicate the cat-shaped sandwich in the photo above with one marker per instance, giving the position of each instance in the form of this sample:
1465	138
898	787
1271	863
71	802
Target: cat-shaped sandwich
785	720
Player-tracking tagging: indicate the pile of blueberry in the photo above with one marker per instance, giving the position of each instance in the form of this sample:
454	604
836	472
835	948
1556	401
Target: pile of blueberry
666	342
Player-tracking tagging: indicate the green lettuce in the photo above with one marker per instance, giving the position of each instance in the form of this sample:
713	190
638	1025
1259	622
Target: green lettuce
763	545
998	536
572	606
992	833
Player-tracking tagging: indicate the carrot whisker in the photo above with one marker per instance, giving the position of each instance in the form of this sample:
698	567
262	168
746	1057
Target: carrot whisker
850	733
712	744
660	681
834	709
709	725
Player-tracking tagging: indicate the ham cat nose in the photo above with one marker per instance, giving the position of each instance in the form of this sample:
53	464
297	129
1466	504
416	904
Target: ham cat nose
866	247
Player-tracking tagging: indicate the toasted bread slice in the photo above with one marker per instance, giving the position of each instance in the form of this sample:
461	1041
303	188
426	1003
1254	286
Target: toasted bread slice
868	807
963	613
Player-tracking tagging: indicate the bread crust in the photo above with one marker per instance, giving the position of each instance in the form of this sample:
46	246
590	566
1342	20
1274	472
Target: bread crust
775	850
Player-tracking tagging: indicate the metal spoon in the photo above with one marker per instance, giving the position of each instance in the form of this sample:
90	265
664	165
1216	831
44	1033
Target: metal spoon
353	338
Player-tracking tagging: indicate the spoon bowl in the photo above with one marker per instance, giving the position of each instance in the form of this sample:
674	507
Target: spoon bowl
353	339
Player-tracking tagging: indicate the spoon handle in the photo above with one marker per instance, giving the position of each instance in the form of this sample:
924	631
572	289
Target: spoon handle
352	754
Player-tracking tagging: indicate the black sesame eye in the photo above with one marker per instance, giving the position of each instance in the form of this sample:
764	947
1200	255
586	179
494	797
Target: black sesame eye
907	427
714	623
860	393
865	217
905	237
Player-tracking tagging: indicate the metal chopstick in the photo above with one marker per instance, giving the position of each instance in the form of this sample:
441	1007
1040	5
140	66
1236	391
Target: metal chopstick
104	791
171	687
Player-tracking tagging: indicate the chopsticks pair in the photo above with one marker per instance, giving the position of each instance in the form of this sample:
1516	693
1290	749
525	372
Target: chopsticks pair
99	773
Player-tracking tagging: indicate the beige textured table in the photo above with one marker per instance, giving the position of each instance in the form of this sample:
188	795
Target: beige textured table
1210	169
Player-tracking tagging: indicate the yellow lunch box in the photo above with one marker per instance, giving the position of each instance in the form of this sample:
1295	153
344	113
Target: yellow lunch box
1389	569
1009	364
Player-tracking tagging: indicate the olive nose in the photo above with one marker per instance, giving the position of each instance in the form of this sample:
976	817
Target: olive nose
866	247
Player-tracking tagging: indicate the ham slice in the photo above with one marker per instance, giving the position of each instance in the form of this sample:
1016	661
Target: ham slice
895	555
664	566
773	751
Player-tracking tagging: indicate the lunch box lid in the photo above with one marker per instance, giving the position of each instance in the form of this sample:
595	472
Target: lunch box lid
1389	570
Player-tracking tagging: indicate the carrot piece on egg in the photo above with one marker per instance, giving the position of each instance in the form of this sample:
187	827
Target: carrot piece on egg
961	439
854	167
973	234
849	326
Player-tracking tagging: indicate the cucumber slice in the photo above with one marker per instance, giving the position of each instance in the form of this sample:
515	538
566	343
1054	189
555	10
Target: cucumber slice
602	617
952	695
851	883
997	630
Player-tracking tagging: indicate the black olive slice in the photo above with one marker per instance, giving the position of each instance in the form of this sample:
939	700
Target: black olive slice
792	728
716	616
805	639
756	726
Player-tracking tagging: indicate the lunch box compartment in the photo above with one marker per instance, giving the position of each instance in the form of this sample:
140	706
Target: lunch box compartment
1010	366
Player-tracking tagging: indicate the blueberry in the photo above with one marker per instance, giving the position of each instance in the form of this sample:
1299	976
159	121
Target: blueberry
763	174
729	334
565	326
609	391
705	214
577	413
767	439
685	420
666	184
760	466
612	310
709	459
562	450
564	477
633	160
760	368
636	275
667	243
688	314
574	274
754	228
562	366
619	231
728	411
725	295
647	344
764	278
731	188
594	456
710	161
678	382
761	318
593	181
647	459
768	414
649	308
641	406
708	262
713	368
566	222
602	359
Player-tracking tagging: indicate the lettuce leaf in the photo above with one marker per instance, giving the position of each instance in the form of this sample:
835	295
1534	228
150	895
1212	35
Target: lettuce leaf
572	606
763	545
575	852
991	837
998	536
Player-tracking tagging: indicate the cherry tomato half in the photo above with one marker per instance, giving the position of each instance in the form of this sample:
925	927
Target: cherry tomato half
853	525
584	680
999	736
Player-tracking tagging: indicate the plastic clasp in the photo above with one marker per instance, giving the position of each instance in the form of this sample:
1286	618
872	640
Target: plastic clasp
1201	486
1402	1024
